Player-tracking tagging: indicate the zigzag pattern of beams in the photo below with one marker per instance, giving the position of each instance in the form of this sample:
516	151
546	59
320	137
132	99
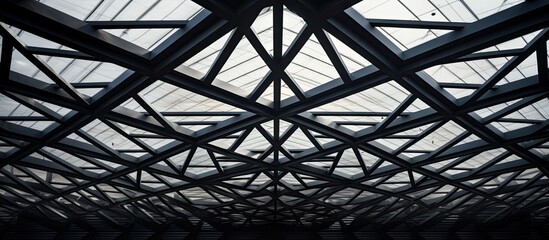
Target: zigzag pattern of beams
257	112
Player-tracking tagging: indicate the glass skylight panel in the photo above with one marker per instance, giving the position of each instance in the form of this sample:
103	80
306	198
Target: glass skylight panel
107	10
108	136
481	159
254	144
383	9
292	24
33	40
203	60
409	38
244	68
90	10
36	125
157	143
80	9
392	144
311	67
516	43
166	97
145	38
383	98
76	70
298	141
483	9
149	10
181	144
352	60
454	11
526	68
22	65
9	107
263	28
471	72
489	110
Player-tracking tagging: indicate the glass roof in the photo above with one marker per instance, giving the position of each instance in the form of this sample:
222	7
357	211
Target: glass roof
315	115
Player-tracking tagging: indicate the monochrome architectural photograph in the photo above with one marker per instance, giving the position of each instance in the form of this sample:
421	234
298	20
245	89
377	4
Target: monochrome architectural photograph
274	119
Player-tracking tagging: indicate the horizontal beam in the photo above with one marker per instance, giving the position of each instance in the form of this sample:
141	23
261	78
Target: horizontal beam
416	24
147	24
60	53
64	29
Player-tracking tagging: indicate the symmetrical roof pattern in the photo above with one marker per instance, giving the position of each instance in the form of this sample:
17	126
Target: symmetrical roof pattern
314	114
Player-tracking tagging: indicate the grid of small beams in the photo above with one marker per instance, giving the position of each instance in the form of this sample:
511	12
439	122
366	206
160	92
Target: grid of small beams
229	196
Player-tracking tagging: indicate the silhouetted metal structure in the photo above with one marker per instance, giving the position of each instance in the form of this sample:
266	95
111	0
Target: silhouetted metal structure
310	114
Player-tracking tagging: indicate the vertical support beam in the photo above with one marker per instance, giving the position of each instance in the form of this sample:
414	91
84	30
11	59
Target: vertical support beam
5	59
541	54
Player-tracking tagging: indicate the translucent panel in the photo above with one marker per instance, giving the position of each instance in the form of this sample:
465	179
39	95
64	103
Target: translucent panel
157	143
483	9
145	124
542	150
145	38
439	137
200	164
391	9
36	125
479	160
349	171
454	11
22	65
263	28
470	138
291	181
131	10
107	135
36	41
291	24
244	68
126	10
254	144
470	72
311	67
146	10
10	107
368	159
202	61
150	139
80	9
383	98
107	10
407	38
348	158
69	158
392	143
352	60
297	141
526	68
509	126
414	132
342	197
75	70
459	92
169	98
490	110
401	177
516	43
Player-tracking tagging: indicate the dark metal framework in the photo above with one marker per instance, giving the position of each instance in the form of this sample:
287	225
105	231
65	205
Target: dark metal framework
329	184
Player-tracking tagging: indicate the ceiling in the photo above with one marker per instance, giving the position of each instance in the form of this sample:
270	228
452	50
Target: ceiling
311	114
